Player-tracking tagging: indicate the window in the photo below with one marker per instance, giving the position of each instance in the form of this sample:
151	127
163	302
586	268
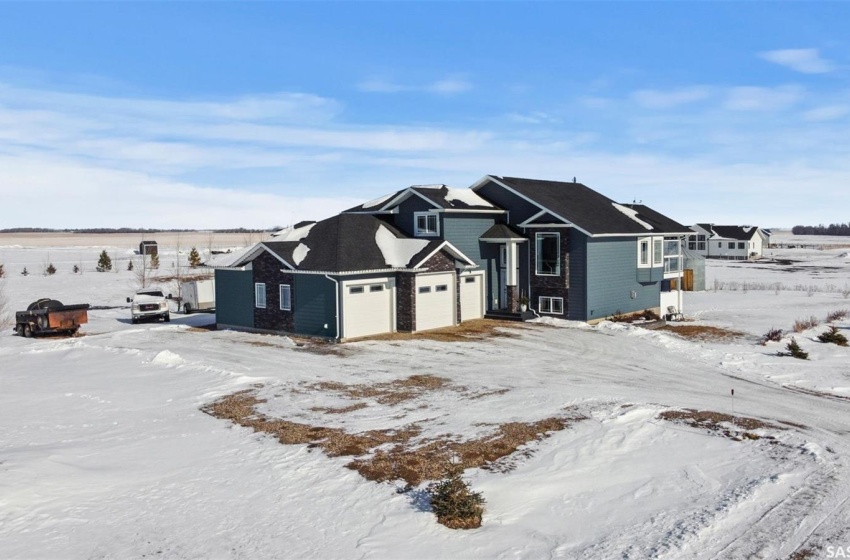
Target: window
551	305
260	295
701	245
376	288
731	244
548	249
427	224
285	297
469	279
741	245
355	290
657	252
442	288
643	253
425	289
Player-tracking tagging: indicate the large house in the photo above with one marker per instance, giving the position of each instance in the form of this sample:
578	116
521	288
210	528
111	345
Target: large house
433	256
728	242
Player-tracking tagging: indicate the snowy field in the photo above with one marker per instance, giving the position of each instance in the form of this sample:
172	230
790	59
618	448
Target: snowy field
105	453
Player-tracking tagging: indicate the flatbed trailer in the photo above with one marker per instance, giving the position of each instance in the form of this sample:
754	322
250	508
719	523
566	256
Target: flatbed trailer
49	316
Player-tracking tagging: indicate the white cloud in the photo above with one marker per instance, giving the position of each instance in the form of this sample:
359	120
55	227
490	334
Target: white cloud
655	99
449	85
807	61
827	113
762	98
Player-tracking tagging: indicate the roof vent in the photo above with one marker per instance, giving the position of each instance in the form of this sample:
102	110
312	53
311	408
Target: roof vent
574	179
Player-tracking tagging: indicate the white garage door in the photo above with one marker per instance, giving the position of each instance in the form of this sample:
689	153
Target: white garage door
435	301
471	297
367	308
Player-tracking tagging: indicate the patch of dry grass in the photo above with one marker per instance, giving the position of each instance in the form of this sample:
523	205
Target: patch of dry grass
704	333
340	410
390	392
412	463
468	331
735	427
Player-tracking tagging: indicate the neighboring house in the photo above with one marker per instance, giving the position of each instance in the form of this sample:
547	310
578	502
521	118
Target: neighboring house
346	277
432	256
728	242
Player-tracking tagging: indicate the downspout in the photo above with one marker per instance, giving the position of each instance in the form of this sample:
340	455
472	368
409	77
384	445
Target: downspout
336	291
681	275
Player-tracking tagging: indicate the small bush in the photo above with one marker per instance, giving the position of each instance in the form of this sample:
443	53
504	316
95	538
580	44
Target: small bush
773	335
50	270
25	272
837	315
130	265
155	261
76	269
454	504
794	350
801	325
104	262
833	336
2	271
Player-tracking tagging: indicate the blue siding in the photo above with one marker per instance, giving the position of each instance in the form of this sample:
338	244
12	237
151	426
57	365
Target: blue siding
464	230
611	279
577	308
315	305
234	296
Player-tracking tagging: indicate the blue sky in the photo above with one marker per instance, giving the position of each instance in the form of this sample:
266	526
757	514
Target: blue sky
257	114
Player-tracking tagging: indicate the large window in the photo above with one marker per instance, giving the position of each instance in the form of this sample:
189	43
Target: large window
551	305
427	224
643	253
260	295
657	255
548	249
285	297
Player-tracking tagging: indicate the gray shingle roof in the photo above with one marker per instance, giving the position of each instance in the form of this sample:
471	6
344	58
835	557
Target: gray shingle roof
736	232
589	210
441	196
501	231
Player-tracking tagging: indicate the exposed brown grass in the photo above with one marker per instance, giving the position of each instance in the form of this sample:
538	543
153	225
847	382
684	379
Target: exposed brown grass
412	463
837	315
340	410
704	333
736	427
803	554
468	331
390	392
801	325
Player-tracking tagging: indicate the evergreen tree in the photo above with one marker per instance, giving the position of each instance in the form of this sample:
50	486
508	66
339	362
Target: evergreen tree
76	269
25	271
2	271
104	263
50	270
454	503
130	265
793	349
194	258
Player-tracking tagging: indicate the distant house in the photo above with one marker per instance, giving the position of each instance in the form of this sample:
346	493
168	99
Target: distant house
431	256
148	248
728	242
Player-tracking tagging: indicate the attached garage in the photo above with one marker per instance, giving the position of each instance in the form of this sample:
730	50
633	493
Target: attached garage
435	300
471	296
368	307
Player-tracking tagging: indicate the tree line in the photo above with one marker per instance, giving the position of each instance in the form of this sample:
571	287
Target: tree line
831	229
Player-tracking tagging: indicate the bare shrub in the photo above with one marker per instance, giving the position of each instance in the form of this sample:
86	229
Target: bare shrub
801	325
773	335
837	315
5	314
2	271
845	291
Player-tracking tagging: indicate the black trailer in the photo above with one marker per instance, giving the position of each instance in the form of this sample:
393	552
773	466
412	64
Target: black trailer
48	316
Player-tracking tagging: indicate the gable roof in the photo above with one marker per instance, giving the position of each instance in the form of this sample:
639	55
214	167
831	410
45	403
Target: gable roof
440	197
584	208
501	232
741	233
349	243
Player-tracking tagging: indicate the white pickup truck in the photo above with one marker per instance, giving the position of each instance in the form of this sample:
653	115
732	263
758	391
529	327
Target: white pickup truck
149	303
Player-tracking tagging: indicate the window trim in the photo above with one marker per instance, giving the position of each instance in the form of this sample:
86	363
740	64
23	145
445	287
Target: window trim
376	288
424	290
425	232
441	288
356	290
644	252
537	239
285	288
258	286
550	300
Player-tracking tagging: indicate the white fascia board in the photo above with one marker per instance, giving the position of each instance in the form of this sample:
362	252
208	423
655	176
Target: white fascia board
445	245
565	226
275	255
471	211
534	217
354	272
251	255
404	195
505	240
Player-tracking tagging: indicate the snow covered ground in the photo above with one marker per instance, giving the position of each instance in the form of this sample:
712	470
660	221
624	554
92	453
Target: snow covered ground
104	452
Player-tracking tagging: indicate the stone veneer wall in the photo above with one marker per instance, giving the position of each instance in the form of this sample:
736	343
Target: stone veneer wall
550	286
267	270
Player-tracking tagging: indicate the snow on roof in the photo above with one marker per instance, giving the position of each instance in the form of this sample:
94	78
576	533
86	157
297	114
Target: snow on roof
377	201
466	196
225	260
299	253
427	186
632	214
397	252
292	233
